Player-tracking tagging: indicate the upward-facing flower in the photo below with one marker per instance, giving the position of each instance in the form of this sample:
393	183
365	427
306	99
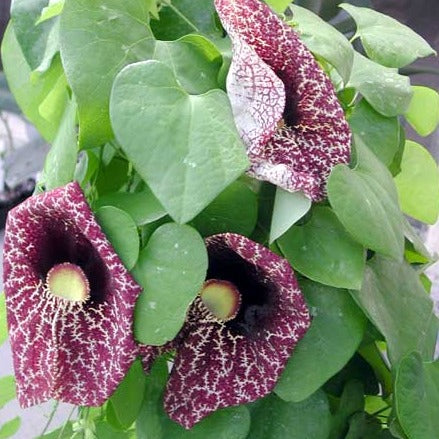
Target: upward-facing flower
239	332
69	301
285	106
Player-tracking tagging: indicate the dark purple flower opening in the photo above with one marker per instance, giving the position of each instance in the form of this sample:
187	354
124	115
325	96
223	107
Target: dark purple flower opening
72	350
285	106
220	364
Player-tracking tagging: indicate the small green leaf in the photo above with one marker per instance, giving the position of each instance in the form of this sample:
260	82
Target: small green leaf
379	133
336	331
366	202
233	210
324	40
385	40
387	91
417	397
127	399
121	231
323	251
287	210
30	94
273	418
53	9
7	389
418	184
278	6
142	206
106	431
60	165
193	152
392	293
3	322
171	269
423	112
9	428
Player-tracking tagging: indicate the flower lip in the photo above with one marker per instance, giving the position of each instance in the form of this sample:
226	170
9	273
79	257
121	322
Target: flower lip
69	282
221	298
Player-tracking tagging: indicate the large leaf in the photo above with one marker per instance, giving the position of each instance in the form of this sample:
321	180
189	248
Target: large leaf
234	210
323	251
289	207
385	40
366	202
417	397
39	43
379	133
418	183
3	322
154	423
396	302
324	40
9	428
185	147
60	164
7	390
336	331
127	399
273	418
423	112
171	270
142	206
121	231
387	91
97	40
30	95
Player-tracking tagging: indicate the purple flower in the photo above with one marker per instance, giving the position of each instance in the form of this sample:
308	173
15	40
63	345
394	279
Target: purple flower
239	332
285	106
69	302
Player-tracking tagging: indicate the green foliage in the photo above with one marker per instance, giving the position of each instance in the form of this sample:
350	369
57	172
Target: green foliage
3	322
336	331
9	428
423	112
171	270
278	5
7	389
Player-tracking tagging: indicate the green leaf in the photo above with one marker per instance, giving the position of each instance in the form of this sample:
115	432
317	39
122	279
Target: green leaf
39	43
423	112
192	154
106	431
3	321
417	397
7	390
98	39
363	426
171	270
379	133
323	251
396	303
154	423
112	176
287	210
121	231
278	6
64	432
60	165
418	183
273	418
31	94
182	17
9	428
324	40
366	202
126	401
142	206
53	9
336	332
233	210
385	40
387	91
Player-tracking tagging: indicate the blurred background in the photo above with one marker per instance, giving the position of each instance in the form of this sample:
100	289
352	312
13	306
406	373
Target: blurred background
22	154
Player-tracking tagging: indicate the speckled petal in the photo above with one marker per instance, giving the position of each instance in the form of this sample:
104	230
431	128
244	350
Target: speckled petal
73	352
218	367
315	135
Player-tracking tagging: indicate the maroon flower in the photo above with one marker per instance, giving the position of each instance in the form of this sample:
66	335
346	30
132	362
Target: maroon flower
69	301
239	332
285	106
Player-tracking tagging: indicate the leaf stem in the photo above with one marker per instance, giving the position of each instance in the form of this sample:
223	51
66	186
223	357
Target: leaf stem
49	421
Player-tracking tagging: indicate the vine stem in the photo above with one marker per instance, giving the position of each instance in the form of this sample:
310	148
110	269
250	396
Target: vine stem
49	421
65	423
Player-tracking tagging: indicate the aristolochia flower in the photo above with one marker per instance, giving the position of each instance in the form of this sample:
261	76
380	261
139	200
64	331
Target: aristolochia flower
285	106
69	301
239	332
